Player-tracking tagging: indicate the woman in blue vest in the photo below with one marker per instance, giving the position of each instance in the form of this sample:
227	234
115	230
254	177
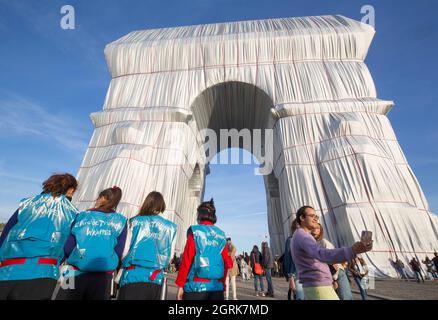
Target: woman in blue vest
94	249
149	252
32	242
205	260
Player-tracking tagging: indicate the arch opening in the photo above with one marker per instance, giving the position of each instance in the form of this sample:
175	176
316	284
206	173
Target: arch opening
233	105
240	108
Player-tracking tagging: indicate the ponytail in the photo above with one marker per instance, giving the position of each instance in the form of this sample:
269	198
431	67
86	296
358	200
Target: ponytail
207	212
113	196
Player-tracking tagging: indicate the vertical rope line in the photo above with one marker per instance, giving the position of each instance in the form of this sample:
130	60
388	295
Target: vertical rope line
370	198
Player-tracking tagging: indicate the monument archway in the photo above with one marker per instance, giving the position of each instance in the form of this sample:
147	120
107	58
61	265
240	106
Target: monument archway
333	145
240	115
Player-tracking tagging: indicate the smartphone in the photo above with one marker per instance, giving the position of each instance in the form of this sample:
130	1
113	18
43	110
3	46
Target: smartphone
366	237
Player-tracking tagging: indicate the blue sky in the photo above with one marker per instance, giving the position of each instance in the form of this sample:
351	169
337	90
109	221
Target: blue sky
52	79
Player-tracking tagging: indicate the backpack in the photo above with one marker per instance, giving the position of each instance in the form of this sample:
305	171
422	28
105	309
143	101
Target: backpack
287	263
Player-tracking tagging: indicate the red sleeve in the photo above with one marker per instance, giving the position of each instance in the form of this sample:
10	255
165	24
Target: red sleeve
186	261
228	263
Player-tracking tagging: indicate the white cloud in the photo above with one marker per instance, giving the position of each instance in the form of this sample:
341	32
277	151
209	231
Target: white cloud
43	19
24	117
22	178
252	214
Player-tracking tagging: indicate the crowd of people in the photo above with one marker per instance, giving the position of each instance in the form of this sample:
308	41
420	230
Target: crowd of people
50	250
431	266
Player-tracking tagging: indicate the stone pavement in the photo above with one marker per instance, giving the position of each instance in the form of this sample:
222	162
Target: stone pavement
405	290
383	290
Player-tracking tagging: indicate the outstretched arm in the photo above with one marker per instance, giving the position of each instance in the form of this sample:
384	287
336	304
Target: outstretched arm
329	256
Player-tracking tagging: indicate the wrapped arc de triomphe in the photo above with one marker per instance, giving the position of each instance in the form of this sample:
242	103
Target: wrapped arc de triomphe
302	78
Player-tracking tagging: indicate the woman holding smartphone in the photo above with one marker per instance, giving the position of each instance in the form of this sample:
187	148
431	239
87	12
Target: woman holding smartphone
311	259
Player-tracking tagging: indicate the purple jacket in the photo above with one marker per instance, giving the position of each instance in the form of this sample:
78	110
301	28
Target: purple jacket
311	259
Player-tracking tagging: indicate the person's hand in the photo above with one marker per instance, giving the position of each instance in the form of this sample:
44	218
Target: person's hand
179	294
360	247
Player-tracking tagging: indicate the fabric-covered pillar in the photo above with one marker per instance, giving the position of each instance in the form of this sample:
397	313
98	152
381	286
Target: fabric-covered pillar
343	159
143	150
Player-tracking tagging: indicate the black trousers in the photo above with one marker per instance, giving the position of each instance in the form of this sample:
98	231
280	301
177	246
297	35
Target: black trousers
140	291
88	286
207	295
35	289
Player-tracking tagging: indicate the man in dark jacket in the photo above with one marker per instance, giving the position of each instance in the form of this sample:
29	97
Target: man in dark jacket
268	265
401	268
416	267
435	261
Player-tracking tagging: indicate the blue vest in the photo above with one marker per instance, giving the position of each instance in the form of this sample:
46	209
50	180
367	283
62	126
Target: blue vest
208	262
43	226
96	236
150	249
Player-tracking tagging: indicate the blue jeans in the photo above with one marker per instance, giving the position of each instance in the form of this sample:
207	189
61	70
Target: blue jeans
269	280
363	292
258	278
418	275
403	273
344	289
299	292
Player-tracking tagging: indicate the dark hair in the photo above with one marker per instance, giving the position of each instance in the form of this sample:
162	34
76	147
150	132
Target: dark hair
264	247
293	227
228	239
58	184
153	204
207	212
113	196
301	213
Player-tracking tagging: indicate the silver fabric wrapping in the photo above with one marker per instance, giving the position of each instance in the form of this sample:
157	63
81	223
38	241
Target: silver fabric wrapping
305	78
